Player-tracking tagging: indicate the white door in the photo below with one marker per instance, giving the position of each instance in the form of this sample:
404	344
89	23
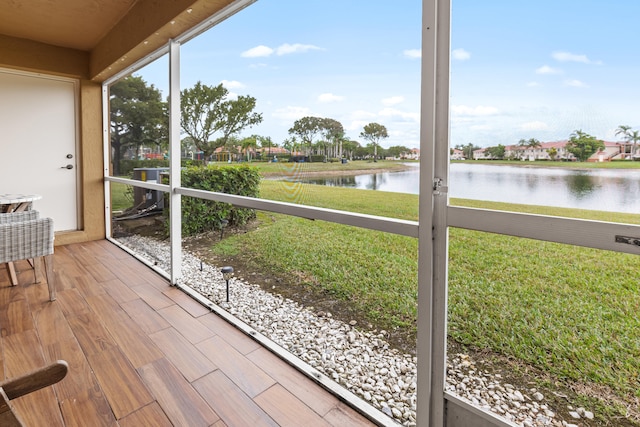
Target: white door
38	143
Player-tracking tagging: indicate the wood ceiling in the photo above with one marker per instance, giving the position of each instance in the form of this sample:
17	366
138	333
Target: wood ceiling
76	24
113	33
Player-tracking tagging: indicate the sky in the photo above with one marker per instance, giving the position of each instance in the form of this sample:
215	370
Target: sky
519	69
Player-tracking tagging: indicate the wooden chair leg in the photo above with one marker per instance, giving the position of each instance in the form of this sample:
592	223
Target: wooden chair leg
37	269
13	277
51	281
8	416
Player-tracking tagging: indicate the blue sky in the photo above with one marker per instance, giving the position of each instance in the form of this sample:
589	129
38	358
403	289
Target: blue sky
536	69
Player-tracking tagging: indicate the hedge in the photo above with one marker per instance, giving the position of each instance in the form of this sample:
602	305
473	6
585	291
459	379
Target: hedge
200	215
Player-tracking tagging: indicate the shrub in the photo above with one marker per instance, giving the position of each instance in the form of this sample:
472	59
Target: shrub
200	215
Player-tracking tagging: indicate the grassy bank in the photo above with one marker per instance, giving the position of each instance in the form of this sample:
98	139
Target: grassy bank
619	164
351	167
567	310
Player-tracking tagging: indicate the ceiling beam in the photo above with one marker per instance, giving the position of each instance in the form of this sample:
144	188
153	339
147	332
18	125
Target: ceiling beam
148	26
33	56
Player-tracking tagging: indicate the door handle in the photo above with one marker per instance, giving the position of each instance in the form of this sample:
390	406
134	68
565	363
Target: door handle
66	167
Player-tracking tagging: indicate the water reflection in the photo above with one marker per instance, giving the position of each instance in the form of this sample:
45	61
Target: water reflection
335	181
581	184
615	190
377	181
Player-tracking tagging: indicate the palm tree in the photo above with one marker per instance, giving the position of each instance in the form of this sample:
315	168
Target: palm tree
528	143
534	143
625	131
248	144
634	137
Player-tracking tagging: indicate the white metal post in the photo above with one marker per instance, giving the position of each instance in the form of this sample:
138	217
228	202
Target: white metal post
432	255
106	155
175	208
440	203
425	249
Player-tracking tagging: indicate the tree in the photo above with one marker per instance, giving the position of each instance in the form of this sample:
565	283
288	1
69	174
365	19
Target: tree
306	129
628	135
582	145
374	132
534	143
333	133
290	144
137	115
635	138
496	152
206	111
266	140
248	144
624	131
349	147
398	151
553	152
528	143
467	150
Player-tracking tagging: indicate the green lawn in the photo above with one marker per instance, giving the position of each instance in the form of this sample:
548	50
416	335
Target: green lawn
121	196
568	310
297	169
620	164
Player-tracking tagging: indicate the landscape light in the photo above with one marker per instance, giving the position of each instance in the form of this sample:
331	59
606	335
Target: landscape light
227	273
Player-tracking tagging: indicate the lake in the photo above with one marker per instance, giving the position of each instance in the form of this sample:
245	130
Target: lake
615	190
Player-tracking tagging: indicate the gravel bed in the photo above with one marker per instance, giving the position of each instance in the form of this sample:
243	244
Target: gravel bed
362	362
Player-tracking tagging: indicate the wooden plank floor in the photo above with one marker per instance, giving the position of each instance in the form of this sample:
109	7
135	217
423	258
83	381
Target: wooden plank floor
142	353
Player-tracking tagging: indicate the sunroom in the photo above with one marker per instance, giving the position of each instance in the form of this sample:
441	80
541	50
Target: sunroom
143	348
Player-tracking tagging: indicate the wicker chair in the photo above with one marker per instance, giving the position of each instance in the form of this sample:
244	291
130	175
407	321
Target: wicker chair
32	239
6	218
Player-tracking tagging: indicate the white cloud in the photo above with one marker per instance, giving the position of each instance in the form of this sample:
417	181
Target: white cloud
403	115
572	57
535	125
545	69
283	49
362	115
575	83
287	48
232	84
412	53
232	95
480	110
393	100
329	97
357	126
481	127
256	52
533	84
291	113
460	54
